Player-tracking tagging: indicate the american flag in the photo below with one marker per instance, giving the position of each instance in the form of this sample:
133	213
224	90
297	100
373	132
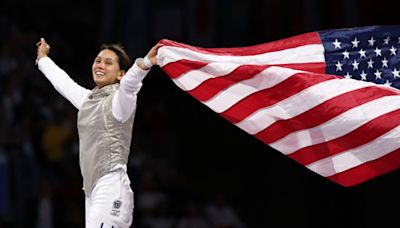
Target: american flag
298	95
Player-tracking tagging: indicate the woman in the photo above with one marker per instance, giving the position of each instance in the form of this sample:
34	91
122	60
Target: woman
105	121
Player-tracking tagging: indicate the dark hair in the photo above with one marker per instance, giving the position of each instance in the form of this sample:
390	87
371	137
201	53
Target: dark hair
123	59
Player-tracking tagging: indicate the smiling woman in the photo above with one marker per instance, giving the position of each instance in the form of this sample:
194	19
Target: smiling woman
110	65
105	122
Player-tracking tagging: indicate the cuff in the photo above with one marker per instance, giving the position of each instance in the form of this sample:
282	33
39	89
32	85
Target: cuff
136	73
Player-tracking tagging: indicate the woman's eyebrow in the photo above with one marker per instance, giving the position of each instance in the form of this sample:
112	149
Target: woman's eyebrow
108	58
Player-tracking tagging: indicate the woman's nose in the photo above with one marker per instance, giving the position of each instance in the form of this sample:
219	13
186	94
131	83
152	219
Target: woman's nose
100	65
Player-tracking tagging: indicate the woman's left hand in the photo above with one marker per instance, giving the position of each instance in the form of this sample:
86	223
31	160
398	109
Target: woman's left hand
152	55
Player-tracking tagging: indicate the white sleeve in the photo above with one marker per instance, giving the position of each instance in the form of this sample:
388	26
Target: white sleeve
61	81
124	101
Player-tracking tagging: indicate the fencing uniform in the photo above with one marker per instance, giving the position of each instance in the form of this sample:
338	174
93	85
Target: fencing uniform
105	122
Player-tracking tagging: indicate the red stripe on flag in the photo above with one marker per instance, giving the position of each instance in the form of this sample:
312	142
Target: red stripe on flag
292	42
270	96
358	137
176	69
368	170
318	115
213	86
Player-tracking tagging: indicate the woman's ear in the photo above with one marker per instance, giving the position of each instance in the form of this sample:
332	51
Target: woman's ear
121	74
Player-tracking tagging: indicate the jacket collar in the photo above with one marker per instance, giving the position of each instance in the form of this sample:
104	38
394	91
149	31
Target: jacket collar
104	91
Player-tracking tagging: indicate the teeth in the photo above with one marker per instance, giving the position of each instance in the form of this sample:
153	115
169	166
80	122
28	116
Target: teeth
99	73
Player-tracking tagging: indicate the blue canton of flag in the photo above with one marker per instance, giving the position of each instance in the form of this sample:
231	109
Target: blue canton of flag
365	53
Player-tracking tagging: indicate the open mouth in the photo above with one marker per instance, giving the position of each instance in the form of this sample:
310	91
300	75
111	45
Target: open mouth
99	74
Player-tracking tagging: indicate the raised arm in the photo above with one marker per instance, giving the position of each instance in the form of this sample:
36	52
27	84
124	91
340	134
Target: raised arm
124	101
61	81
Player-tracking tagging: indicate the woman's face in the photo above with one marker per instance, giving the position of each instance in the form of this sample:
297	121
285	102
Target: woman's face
106	69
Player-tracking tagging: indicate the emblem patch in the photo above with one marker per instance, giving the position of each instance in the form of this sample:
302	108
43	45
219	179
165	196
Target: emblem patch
116	208
117	204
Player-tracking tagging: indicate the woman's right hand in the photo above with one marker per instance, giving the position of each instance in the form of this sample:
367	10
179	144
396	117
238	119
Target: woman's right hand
43	49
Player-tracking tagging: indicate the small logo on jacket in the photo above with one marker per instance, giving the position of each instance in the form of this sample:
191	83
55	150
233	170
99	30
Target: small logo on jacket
116	208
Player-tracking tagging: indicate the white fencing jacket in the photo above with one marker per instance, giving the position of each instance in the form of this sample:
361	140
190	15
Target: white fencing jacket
105	119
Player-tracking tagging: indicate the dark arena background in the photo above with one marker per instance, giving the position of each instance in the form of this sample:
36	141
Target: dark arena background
185	160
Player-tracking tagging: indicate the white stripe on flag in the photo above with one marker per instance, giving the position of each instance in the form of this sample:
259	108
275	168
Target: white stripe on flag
375	149
311	53
338	126
241	90
194	78
297	104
